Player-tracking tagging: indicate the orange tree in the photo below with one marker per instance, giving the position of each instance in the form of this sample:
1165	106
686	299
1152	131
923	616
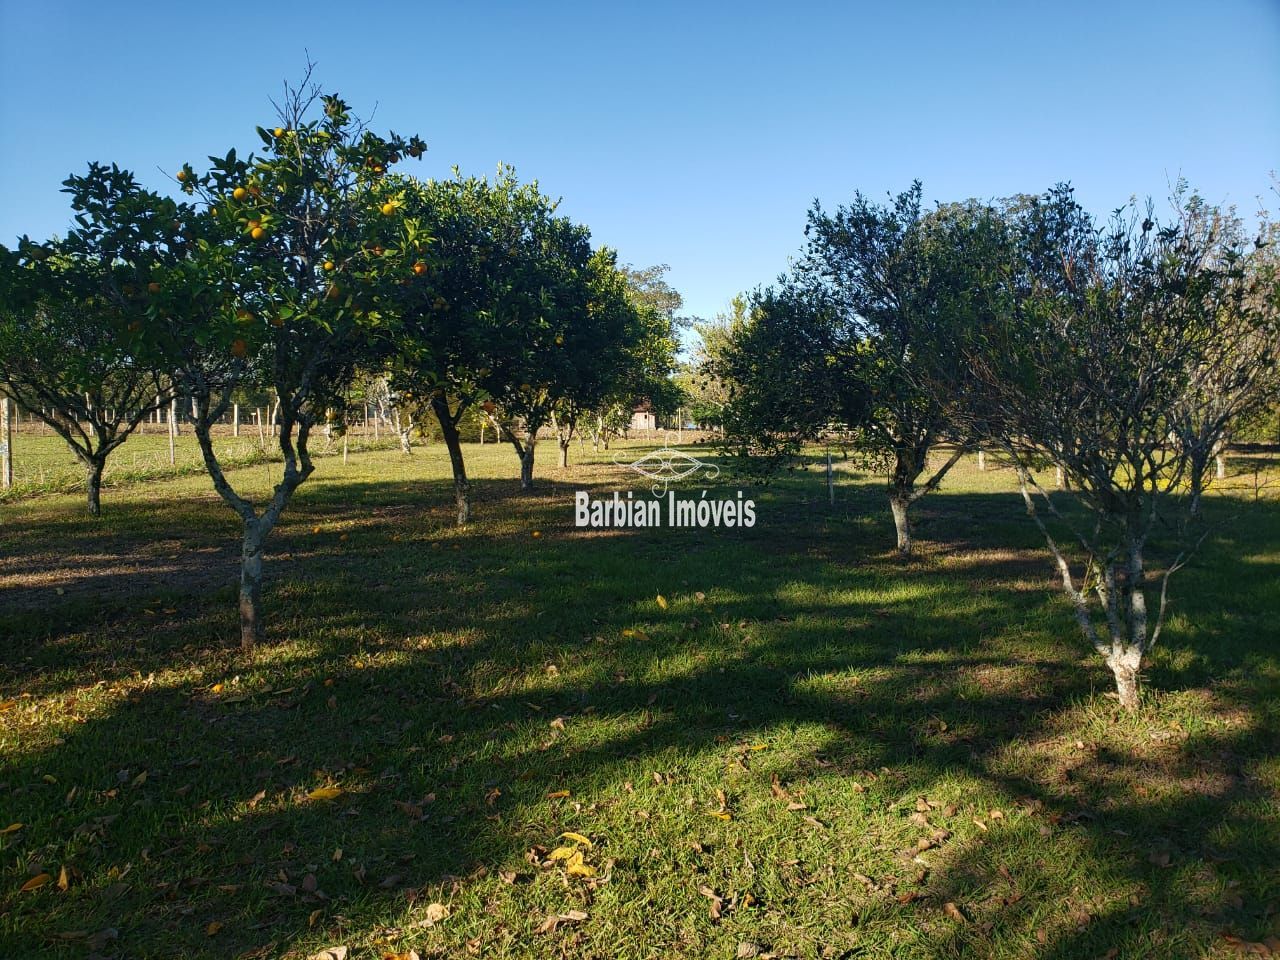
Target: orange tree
303	250
464	305
623	351
544	350
80	324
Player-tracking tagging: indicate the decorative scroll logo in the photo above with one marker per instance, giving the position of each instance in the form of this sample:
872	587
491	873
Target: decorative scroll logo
666	466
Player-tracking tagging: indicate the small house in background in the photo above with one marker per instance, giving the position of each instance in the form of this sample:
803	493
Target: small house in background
643	417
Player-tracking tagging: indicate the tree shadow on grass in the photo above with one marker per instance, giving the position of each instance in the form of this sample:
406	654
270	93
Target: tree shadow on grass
452	693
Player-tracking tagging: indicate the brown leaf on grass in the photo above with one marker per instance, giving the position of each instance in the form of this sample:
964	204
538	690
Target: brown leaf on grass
212	929
325	793
797	805
662	601
404	955
255	799
717	901
979	824
330	953
11	828
36	882
435	913
558	794
64	879
909	896
954	912
550	924
777	789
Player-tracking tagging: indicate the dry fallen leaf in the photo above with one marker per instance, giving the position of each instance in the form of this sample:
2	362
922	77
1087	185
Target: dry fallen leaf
577	838
550	924
325	793
952	911
557	794
64	879
11	828
662	601
717	901
36	882
330	953
212	929
436	912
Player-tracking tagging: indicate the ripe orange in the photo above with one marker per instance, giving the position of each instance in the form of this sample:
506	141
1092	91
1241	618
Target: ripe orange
257	233
239	348
419	268
278	131
328	265
182	176
388	208
239	193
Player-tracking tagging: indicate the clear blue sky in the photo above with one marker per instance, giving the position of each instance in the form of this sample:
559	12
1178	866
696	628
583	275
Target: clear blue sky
694	134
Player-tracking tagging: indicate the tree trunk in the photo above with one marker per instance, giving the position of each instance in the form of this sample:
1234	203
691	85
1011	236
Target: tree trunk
902	524
251	585
461	486
1125	665
93	486
526	466
564	453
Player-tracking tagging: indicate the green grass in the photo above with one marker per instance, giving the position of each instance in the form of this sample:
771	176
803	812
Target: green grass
44	465
759	763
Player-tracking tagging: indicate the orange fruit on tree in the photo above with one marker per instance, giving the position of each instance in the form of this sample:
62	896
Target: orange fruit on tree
239	348
257	233
419	268
239	193
388	208
328	266
333	292
278	131
182	176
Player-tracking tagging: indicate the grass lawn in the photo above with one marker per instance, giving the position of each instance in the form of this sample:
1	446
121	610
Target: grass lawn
813	749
